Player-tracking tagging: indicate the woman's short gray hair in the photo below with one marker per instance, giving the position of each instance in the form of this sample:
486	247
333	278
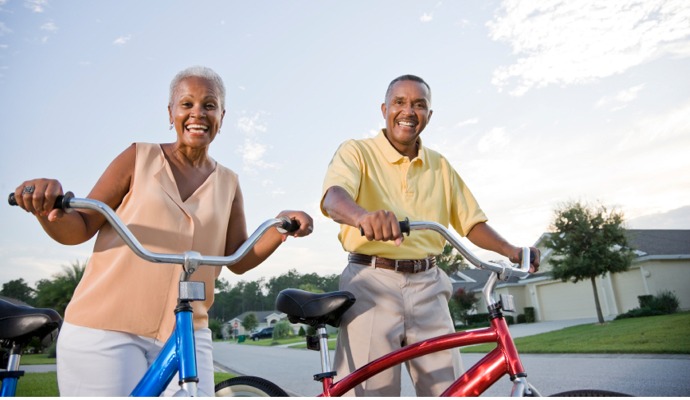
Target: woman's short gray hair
198	72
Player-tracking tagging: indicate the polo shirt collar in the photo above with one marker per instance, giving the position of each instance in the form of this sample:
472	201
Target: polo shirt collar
391	154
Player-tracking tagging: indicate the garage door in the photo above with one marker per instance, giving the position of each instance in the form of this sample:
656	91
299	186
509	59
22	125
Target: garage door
565	300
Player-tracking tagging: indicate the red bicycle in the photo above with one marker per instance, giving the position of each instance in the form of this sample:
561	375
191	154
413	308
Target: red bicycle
319	310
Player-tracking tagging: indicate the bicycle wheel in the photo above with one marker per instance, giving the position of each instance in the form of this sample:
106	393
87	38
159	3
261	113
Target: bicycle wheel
590	393
248	386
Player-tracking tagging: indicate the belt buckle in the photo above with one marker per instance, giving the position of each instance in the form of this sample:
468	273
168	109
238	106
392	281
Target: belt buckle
417	265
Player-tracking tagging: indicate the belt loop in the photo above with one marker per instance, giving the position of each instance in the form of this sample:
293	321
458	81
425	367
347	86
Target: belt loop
396	265
373	262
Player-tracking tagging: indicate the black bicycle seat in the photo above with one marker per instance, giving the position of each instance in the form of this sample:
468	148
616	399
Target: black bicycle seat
314	308
20	324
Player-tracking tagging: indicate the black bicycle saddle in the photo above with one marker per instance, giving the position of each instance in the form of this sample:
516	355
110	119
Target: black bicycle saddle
20	324
314	308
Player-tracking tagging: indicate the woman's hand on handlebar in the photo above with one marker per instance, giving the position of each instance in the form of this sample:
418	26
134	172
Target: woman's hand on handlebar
303	220
535	257
37	196
380	225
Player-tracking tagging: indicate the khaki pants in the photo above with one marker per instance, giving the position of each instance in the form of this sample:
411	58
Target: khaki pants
394	309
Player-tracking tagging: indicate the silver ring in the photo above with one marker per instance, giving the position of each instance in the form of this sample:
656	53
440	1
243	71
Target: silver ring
29	189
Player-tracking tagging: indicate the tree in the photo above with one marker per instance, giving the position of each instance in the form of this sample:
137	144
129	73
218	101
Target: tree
588	242
18	289
450	260
57	292
462	303
249	323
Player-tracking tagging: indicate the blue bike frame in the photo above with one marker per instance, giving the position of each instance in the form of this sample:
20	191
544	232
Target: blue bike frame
177	355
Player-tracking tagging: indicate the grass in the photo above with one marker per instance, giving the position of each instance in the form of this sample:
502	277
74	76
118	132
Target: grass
663	334
44	384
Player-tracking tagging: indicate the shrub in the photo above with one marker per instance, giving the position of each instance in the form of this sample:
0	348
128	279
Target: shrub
530	315
521	319
302	332
663	303
282	330
510	320
666	302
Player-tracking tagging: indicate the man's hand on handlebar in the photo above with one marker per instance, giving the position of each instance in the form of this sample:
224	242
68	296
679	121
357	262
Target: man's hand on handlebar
535	257
380	225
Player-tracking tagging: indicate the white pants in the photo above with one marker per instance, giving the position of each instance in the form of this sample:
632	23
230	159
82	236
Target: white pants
394	309
97	363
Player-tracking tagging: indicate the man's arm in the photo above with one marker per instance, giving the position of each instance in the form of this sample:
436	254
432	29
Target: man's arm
377	225
487	238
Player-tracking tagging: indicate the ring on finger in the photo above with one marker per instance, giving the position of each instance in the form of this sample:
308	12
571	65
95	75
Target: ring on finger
28	189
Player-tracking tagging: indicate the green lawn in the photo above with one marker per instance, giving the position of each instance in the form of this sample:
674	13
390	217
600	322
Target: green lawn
663	334
44	384
668	334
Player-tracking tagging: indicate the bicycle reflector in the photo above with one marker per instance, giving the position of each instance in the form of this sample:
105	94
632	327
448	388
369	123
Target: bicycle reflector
192	291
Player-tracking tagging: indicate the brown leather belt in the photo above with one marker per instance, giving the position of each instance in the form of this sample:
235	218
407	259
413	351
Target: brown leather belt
407	266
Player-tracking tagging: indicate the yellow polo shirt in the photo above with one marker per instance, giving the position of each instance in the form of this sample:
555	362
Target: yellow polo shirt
426	188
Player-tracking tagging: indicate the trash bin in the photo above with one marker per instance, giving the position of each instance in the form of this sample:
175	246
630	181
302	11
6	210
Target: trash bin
241	338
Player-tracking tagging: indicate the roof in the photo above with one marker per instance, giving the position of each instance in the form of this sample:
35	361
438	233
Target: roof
650	242
656	242
260	315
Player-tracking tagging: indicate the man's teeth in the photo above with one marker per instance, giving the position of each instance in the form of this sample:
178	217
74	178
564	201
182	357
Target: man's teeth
405	123
195	127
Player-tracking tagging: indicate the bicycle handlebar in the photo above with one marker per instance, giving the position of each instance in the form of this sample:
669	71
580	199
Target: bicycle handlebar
189	258
504	271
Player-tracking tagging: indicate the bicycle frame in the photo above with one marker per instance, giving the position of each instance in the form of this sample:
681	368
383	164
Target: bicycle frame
503	360
177	355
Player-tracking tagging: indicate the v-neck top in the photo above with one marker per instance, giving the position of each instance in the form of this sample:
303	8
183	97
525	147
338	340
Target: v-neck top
121	292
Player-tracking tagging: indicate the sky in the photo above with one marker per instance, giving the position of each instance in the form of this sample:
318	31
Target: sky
536	104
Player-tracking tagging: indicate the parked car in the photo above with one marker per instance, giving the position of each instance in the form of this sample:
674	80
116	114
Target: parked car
264	333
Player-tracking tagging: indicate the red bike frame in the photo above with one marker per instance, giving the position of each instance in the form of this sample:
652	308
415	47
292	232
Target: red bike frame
500	361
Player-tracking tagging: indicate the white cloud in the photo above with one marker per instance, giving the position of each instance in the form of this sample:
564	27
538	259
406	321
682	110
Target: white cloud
122	40
37	6
4	29
620	99
252	150
471	121
578	41
494	140
49	26
426	17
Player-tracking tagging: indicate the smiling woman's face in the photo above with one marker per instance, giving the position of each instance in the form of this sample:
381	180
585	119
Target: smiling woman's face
196	111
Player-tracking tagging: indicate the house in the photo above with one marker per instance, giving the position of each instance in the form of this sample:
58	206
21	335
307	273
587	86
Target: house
234	326
662	262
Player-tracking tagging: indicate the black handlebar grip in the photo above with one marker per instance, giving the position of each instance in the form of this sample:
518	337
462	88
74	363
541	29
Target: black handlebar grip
404	227
290	225
61	202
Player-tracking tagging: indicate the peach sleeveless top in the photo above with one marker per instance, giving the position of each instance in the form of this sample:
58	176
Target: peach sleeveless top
121	292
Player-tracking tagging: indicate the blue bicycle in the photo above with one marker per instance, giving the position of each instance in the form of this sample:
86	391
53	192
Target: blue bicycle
178	355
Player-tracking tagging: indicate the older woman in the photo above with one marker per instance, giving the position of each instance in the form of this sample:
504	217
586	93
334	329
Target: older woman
174	197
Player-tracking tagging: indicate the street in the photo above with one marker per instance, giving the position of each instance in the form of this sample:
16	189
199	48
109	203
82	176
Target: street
638	375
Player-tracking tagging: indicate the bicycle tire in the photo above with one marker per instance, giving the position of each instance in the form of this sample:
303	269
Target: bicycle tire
248	386
590	393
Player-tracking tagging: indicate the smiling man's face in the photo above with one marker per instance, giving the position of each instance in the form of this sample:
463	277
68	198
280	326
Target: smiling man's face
407	110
